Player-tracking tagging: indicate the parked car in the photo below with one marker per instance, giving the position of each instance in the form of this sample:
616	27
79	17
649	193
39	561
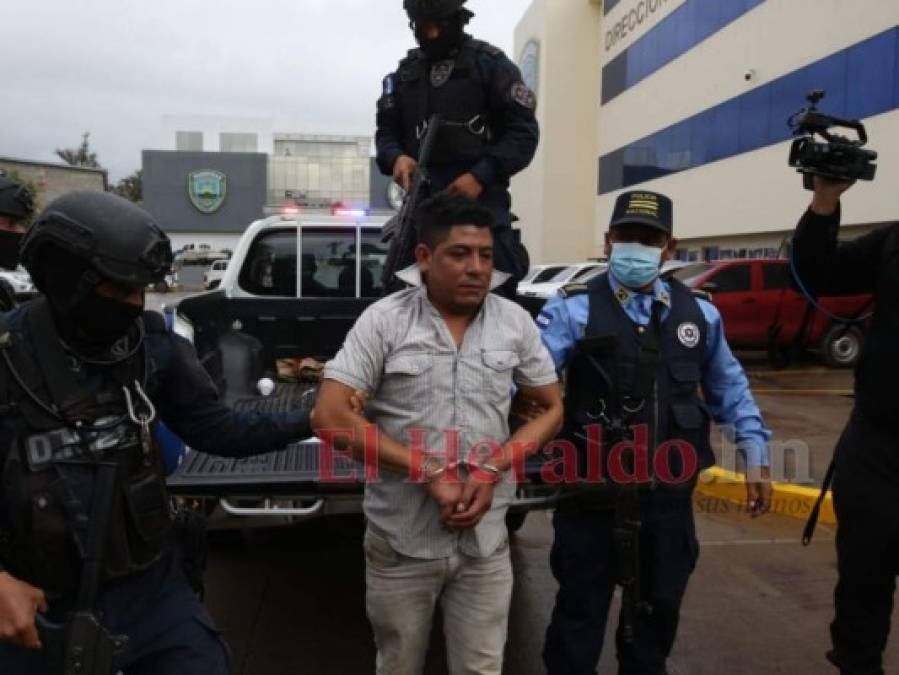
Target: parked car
214	273
17	282
567	275
169	283
755	297
540	273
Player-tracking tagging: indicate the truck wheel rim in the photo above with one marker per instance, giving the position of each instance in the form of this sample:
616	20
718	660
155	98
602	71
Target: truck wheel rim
845	348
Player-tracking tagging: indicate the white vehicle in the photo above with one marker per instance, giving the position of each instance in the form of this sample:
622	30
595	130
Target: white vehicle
212	277
18	280
294	288
541	273
567	275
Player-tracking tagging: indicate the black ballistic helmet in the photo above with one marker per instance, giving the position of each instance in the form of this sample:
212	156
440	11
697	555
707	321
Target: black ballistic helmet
419	10
15	200
116	239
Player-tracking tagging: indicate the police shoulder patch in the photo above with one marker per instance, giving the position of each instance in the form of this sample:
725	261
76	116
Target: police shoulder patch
544	319
572	290
523	96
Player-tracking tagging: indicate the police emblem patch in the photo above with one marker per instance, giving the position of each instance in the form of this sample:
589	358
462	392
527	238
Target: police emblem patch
688	334
544	319
207	190
523	96
441	72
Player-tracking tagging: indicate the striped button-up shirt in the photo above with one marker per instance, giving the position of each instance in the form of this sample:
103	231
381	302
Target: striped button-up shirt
426	392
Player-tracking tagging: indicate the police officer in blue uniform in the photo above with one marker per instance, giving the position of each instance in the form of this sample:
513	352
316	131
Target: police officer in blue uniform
637	352
85	375
488	132
16	208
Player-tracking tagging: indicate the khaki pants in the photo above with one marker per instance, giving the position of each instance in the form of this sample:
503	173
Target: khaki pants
402	594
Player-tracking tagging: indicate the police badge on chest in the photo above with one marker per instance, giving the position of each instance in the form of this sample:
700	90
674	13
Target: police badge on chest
441	73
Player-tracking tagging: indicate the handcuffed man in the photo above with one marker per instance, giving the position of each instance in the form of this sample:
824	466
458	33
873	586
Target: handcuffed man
440	361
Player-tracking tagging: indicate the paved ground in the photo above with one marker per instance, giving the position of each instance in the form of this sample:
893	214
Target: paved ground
291	601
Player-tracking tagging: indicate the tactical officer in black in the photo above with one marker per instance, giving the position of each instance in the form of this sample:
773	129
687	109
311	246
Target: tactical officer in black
488	129
866	477
85	374
16	207
647	368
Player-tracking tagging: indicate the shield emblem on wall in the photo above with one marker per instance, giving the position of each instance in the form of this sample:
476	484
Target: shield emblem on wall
207	190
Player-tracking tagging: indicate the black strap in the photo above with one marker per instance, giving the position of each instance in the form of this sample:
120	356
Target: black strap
67	396
812	523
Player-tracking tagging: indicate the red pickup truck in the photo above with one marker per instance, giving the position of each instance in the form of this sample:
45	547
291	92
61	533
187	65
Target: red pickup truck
752	295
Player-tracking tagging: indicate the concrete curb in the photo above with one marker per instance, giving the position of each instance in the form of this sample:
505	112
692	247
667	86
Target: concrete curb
795	501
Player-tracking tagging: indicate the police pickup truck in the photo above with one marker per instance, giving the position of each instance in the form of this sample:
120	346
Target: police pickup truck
294	287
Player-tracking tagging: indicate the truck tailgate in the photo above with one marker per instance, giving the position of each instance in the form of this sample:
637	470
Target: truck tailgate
301	469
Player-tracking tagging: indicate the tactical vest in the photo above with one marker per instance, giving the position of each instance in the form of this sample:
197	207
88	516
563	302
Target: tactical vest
453	88
603	386
49	468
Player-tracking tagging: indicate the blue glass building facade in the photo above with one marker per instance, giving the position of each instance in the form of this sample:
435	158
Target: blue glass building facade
861	81
678	33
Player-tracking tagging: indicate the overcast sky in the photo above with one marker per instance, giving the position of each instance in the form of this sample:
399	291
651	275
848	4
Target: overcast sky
116	67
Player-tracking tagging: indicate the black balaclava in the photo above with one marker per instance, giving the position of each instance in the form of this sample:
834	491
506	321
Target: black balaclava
451	37
9	248
88	322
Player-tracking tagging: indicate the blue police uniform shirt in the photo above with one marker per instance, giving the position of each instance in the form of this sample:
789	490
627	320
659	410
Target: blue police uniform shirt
725	386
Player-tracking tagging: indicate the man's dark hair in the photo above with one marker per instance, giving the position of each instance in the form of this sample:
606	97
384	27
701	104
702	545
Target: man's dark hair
437	215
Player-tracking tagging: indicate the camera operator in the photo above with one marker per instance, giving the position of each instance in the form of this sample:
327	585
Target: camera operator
866	478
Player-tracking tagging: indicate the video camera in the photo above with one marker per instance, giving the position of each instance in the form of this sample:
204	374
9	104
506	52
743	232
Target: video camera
840	157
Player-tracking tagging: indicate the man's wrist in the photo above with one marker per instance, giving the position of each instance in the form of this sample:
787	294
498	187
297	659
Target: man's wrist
486	471
435	468
825	205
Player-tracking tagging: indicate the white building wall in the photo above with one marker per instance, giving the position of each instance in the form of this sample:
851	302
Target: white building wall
555	196
213	126
750	200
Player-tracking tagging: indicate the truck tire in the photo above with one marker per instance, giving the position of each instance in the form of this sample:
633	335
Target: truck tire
514	521
841	346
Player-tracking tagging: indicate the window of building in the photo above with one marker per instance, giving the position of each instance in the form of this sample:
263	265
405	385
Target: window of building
733	279
230	142
860	81
711	253
271	265
189	141
328	266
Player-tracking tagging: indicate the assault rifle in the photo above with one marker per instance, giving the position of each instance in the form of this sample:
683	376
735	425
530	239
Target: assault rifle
401	231
82	646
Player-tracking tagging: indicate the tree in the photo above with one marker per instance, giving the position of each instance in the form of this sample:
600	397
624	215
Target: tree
82	156
131	187
30	186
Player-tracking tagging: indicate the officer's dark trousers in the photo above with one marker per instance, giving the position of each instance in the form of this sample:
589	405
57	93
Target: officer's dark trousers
582	562
169	630
866	500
